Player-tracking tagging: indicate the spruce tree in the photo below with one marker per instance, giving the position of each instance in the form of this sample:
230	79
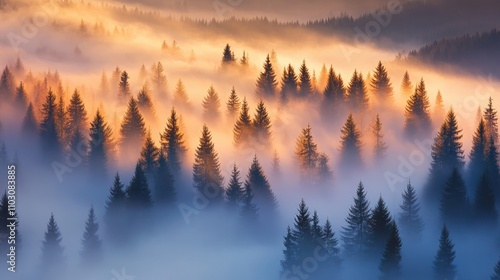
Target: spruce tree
234	193
77	115
331	244
266	83
289	84
302	232
333	94
350	144
149	157
381	84
124	86
324	173
406	86
244	59
132	130
316	229
379	227
417	114
492	167
390	265
485	212
21	96
164	190
306	152
409	217
7	84
249	211
243	128
30	124
137	192
491	121
228	56
262	126
78	144
91	243
355	236
145	103
211	106
264	196
100	146
115	216
233	105
357	96
52	250
454	203
444	268
305	84
50	142
64	131
207	177
181	97
159	80
477	156
380	146
290	257
172	143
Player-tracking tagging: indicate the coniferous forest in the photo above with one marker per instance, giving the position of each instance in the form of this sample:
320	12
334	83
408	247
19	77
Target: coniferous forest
180	140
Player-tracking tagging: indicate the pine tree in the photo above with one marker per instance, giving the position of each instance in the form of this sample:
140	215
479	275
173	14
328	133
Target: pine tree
61	117
443	262
491	121
115	216
477	156
439	112
233	105
379	227
264	196
164	190
52	250
355	236
290	257
357	96
262	126
149	157
484	204
417	115
289	84
302	232
7	84
447	154
78	144
181	97
50	142
316	229
331	244
496	272
211	106
234	193
132	129
249	210
243	128
100	146
305	84
137	192
266	83
207	177
381	84
145	103
30	124
324	173
333	94
454	204
350	144
159	79
306	152
228	56
406	86
91	243
380	146
77	115
492	167
172	143
409	217
21	96
390	265
124	86
244	59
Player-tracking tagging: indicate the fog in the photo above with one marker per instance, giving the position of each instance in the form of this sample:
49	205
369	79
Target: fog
210	244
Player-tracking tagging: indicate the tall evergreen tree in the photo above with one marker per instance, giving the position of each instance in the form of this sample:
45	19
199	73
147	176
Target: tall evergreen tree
228	56
357	96
244	59
380	146
305	84
454	203
100	146
289	84
234	193
491	121
417	114
21	96
316	229
324	173
50	142
211	106
484	204
30	124
64	131
381	84
7	84
406	86
306	152
149	157
243	128
266	83
331	244
409	217
249	211
52	250
164	190
262	126
207	177
290	257
303	233
159	80
124	86
91	243
264	196
477	156
181	97
132	129
492	167
233	105
355	236
137	192
379	227
172	143
350	144
333	94
444	268
115	216
77	115
145	103
390	265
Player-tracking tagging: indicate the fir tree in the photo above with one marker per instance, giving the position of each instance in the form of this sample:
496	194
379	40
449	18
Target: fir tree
243	128
77	115
61	117
244	59
417	115
132	129
124	86
390	265
21	96
233	105
478	154
52	250
30	124
249	210
181	97
305	84
333	94
306	152
357	96
302	232
406	86
149	157
454	203
380	146
114	218
207	176
409	217
211	106
164	190
100	146
379	227
491	121
234	193
381	84
172	143
316	229
325	173
290	257
264	196
158	79
262	126
331	244
350	144
289	84
492	168
7	84
91	243
443	262
50	142
137	192
266	83
484	204
228	56
77	144
355	236
145	103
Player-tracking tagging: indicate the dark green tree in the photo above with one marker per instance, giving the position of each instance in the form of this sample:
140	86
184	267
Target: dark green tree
443	262
350	144
379	227
417	113
243	128
172	143
390	265
305	84
50	142
164	190
77	115
137	192
266	83
303	233
234	193
357	96
306	151
409	217
262	126
289	84
334	92
91	243
264	196
233	105
381	84
454	203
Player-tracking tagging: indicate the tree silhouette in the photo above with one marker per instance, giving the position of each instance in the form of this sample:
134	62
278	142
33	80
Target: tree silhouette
30	124
477	156
333	94
52	250
290	257
228	56
100	146
164	190
350	144
380	146
306	152
439	112
484	204
149	157
305	84
138	193
390	265
181	97
50	142
145	103
91	244
289	84
243	128
324	173
454	203
409	217
381	84
7	84
417	115
21	96
233	105
443	262
266	83
159	80
234	193
132	129
172	143
77	115
379	227
124	86
248	211
261	189
211	106
357	96
406	86
115	216
262	126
